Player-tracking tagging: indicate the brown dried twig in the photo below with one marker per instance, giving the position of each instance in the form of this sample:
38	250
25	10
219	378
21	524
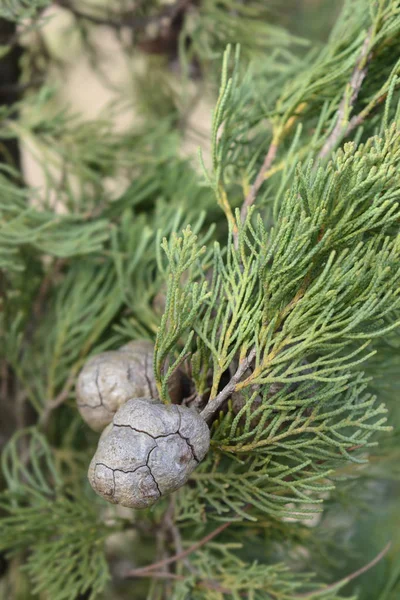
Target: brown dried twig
56	402
347	102
155	567
202	583
357	120
350	577
259	180
215	404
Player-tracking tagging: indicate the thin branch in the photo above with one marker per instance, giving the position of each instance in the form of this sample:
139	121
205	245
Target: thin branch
350	577
151	571
180	555
162	575
259	180
60	399
169	519
357	120
214	405
4	380
204	583
355	83
265	171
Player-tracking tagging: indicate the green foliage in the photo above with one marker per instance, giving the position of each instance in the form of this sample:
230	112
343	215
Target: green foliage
21	9
333	246
181	306
224	575
220	23
301	99
26	227
283	316
62	532
82	310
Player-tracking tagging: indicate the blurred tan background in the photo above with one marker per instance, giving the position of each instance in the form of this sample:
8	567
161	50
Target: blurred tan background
89	91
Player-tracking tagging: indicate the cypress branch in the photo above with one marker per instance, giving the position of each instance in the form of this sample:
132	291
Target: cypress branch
268	284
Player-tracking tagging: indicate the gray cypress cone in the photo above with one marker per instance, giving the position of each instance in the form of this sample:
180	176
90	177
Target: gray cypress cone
109	379
148	451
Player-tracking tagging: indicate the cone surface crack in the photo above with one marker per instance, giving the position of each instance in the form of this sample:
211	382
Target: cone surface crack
123	470
101	403
134	429
97	385
179	417
154	437
185	438
162	435
95	406
151	474
100	396
146	466
129	374
113	476
190	446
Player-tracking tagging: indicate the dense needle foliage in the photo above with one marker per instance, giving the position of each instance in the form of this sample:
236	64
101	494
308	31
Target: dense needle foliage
267	269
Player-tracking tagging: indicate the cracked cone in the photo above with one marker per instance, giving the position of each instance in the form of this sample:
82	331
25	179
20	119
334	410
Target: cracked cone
111	378
148	451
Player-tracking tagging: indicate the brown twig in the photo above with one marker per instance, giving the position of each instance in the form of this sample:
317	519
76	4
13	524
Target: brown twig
154	567
60	399
204	583
357	77
265	171
215	404
209	584
4	379
259	180
350	577
169	519
165	573
357	120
